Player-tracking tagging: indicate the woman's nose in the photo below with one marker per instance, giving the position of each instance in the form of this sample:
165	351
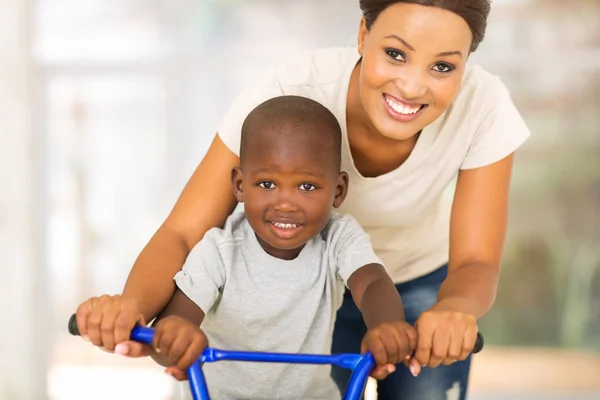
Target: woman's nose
412	84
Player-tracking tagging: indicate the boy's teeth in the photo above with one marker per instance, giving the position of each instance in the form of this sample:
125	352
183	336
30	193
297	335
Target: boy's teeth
285	226
402	109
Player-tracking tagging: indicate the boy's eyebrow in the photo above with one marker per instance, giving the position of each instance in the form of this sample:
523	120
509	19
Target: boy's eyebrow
313	173
275	170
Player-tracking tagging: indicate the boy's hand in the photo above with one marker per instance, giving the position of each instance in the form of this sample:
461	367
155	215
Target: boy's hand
180	342
107	322
390	343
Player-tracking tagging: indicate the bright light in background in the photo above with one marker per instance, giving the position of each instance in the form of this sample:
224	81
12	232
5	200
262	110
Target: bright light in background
77	382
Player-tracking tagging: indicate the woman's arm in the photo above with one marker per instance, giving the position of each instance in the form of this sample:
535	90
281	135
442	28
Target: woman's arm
447	331
206	202
477	231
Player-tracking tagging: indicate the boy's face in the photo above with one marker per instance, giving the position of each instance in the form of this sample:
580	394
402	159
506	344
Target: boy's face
288	185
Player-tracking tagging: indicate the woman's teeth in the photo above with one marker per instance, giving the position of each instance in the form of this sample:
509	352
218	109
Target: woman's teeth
399	108
284	226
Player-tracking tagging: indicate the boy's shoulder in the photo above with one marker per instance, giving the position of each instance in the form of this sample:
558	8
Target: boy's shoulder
340	224
230	234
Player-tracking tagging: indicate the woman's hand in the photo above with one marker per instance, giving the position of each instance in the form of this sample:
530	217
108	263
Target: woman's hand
444	337
107	322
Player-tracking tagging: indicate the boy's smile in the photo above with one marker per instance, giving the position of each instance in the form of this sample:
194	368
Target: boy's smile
285	230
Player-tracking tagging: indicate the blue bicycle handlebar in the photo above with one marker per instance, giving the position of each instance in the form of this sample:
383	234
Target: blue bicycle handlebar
360	364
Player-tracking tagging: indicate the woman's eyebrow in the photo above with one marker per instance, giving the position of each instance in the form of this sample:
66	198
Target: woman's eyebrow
404	42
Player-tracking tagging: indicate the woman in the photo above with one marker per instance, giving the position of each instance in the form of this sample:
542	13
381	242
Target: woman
415	116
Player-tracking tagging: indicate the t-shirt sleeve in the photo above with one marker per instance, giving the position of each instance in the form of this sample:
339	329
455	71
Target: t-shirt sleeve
501	130
230	127
203	274
352	247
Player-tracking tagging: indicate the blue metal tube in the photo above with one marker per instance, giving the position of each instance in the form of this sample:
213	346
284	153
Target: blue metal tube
360	364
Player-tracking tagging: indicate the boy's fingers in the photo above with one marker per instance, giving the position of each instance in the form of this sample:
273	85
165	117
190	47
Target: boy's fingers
390	343
381	372
377	348
165	345
177	373
133	349
179	347
412	338
403	345
192	352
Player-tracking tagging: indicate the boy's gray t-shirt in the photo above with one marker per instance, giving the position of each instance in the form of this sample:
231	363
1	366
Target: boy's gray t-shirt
256	302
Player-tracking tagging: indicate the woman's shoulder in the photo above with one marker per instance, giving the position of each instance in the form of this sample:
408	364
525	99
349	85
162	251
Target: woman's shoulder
480	88
318	66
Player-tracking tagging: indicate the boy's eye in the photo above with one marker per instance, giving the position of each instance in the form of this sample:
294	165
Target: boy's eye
307	187
267	185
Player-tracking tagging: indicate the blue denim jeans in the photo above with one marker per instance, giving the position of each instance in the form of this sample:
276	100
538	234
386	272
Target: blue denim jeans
441	383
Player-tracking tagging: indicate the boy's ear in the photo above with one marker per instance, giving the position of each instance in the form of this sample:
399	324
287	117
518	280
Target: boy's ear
237	183
341	189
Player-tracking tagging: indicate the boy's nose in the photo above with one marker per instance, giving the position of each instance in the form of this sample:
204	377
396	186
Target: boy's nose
285	203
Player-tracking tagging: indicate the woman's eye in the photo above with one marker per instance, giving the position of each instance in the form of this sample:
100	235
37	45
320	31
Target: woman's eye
443	67
267	185
395	54
307	187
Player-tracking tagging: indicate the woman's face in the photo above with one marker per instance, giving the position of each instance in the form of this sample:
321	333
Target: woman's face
413	59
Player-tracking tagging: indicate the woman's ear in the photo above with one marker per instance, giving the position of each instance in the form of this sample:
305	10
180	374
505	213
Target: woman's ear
237	183
341	189
362	35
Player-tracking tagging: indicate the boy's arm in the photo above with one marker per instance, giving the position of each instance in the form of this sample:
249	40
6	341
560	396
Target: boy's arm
375	295
180	305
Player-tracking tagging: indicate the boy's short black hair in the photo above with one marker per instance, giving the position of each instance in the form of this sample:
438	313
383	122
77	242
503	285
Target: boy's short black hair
303	115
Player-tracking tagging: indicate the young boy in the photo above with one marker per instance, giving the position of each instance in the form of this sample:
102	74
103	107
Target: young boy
273	277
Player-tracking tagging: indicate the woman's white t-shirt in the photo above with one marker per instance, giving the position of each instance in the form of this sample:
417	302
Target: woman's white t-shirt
404	211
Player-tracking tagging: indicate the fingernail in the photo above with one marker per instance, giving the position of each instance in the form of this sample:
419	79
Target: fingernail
413	371
121	349
407	357
86	338
391	369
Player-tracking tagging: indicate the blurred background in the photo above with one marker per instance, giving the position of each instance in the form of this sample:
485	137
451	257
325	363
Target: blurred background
106	107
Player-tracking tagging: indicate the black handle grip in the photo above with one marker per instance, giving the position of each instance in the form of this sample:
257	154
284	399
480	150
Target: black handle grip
478	343
74	330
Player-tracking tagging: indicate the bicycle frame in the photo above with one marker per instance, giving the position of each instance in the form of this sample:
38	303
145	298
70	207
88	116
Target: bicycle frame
360	364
